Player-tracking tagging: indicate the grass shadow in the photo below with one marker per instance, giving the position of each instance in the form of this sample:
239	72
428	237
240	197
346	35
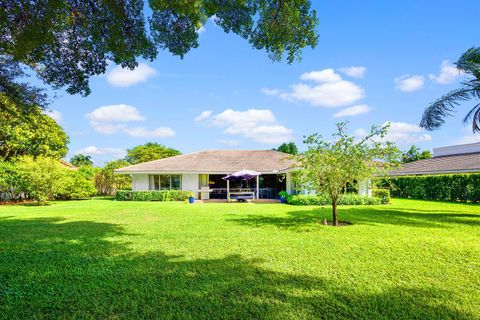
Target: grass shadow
308	219
52	268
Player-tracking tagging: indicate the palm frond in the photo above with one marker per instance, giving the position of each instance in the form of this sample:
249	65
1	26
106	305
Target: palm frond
435	114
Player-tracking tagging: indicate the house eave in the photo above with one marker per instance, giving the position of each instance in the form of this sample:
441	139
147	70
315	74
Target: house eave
198	172
433	172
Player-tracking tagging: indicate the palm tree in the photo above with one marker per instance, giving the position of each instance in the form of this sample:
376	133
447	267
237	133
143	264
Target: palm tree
434	116
80	160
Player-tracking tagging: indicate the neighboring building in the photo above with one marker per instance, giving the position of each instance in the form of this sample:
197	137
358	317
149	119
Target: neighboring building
463	158
202	172
68	165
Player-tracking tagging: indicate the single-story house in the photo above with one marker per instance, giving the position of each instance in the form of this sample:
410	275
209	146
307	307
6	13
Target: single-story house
202	173
463	158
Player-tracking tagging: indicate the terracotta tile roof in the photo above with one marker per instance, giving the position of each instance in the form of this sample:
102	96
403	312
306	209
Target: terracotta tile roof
216	161
68	164
459	163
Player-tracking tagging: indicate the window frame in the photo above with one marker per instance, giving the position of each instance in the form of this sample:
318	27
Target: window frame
160	178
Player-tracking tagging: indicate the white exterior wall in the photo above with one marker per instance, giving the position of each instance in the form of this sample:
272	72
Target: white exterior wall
365	188
139	182
190	182
288	177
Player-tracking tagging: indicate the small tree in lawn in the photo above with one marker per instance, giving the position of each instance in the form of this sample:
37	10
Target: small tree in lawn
328	165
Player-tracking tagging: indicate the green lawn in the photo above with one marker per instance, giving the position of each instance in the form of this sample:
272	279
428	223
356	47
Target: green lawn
107	259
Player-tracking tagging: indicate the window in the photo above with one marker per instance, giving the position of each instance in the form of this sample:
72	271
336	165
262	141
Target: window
165	182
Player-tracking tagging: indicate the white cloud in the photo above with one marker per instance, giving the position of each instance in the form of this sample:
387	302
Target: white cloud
329	90
355	71
333	94
230	143
115	113
448	73
54	114
114	118
401	133
409	83
259	125
141	132
106	128
102	154
201	30
116	153
120	77
352	111
271	92
204	115
472	138
326	75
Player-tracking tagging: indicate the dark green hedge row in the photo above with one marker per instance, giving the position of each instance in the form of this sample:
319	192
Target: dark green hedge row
453	187
162	195
321	200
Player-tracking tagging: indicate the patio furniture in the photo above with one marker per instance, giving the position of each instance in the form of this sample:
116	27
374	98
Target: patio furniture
241	196
239	176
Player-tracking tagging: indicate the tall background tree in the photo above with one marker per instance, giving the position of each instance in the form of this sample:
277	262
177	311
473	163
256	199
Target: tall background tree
414	154
29	132
80	160
66	42
107	183
148	152
434	116
290	148
329	165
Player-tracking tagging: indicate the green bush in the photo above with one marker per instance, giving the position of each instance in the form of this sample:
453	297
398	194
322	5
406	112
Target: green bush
453	187
382	194
40	178
350	199
161	195
77	184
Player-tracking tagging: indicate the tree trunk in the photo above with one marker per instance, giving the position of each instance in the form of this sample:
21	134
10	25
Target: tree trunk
335	213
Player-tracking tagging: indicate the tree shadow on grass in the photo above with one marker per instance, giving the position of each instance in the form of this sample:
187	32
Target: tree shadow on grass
51	268
304	220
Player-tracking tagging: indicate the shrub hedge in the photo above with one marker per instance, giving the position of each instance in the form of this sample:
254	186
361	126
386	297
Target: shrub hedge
382	194
161	195
453	187
321	200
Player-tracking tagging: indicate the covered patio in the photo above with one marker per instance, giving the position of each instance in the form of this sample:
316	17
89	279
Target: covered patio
269	185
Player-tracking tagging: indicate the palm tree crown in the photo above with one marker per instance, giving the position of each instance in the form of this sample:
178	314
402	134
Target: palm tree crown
434	116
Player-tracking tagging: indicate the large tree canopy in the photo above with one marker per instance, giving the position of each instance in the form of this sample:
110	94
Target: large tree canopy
67	41
148	152
434	116
290	148
29	132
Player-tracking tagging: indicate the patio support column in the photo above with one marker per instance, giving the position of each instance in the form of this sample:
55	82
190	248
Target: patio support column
258	187
228	190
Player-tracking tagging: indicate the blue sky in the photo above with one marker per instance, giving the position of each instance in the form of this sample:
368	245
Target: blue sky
225	94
